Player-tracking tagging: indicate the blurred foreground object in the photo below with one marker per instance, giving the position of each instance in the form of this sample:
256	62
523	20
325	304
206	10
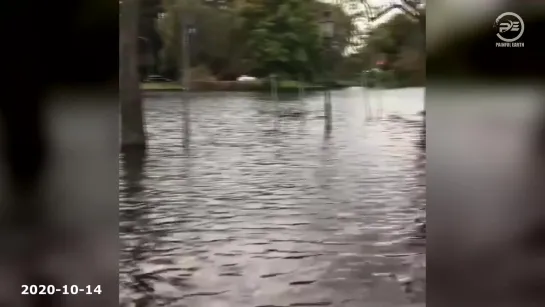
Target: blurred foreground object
486	180
462	44
132	116
59	150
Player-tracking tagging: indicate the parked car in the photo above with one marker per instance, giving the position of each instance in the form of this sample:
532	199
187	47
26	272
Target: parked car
157	78
246	78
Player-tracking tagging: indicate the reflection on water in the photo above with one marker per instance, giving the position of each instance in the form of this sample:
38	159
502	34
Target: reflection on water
257	216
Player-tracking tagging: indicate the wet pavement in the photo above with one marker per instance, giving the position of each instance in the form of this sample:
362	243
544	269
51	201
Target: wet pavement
265	210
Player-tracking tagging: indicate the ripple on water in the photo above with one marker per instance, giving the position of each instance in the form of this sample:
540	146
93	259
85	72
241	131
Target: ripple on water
284	216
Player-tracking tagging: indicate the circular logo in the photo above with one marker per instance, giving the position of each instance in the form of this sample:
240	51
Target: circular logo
510	27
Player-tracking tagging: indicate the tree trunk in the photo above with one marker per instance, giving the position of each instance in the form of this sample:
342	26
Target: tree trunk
132	117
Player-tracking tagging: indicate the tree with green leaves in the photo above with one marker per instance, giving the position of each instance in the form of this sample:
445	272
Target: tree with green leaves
399	40
282	37
256	37
217	45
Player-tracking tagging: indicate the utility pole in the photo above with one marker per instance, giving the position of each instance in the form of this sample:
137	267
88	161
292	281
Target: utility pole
132	114
187	29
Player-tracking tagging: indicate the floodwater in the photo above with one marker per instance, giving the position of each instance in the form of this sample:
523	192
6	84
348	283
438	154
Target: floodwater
267	210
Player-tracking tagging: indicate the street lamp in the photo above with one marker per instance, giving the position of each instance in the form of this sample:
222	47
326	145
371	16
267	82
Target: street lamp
327	30
188	30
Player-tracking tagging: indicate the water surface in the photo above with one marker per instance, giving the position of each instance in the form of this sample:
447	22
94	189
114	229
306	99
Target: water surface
268	211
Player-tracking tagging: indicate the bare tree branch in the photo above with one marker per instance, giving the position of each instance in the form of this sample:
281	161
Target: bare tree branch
408	7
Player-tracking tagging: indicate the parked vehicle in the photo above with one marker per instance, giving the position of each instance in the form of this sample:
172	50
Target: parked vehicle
157	78
246	78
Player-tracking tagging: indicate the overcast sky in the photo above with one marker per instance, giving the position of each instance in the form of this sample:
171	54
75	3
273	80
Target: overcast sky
362	24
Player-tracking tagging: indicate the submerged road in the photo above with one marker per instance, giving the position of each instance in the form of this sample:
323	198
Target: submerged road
255	216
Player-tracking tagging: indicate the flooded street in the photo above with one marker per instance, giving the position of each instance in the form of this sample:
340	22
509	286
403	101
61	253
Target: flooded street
256	216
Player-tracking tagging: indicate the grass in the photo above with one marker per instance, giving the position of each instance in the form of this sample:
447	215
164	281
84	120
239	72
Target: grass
210	86
161	86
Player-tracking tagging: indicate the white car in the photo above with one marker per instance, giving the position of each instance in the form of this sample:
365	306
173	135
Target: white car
246	78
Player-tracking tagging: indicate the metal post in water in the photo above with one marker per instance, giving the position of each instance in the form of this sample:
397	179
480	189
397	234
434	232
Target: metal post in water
366	94
327	27
378	93
185	73
274	97
328	114
274	88
301	89
364	90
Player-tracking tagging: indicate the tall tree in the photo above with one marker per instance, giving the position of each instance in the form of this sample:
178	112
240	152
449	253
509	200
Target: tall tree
399	39
401	42
132	117
216	45
282	37
413	9
225	41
